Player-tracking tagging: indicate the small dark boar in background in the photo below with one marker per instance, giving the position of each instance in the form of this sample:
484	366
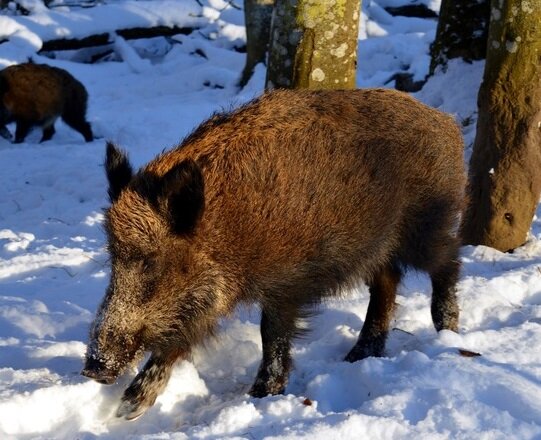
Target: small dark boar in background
282	202
36	95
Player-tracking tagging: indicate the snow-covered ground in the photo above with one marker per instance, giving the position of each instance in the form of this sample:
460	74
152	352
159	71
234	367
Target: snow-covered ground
54	269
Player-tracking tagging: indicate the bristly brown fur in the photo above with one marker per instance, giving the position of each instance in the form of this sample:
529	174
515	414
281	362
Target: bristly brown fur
282	202
37	94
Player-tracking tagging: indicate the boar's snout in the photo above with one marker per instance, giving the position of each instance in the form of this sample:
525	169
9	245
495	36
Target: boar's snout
96	369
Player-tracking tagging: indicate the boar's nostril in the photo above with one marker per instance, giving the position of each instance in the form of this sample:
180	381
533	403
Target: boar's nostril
89	373
95	369
106	380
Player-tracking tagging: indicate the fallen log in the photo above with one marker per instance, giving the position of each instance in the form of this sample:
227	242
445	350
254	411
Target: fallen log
105	38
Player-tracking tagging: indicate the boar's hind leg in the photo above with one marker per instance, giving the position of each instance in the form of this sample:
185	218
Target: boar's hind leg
277	330
147	385
373	335
444	301
48	132
78	123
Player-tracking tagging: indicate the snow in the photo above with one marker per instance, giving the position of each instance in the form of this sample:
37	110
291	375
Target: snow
146	96
76	23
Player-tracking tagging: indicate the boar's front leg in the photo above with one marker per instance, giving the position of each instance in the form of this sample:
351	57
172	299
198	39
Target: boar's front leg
147	385
444	301
380	309
4	132
277	329
21	131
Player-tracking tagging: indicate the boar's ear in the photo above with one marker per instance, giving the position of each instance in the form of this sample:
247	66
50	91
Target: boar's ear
182	196
118	169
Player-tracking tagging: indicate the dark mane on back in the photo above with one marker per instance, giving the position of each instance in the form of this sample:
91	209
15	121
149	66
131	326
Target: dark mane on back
219	118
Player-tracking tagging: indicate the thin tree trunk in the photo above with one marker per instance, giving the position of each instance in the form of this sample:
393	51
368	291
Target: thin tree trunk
505	168
314	44
462	32
257	17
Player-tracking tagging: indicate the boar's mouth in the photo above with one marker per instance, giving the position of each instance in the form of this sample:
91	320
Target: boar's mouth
106	370
97	370
98	376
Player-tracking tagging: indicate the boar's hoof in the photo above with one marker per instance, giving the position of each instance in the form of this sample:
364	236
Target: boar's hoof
135	401
132	409
262	389
363	350
354	355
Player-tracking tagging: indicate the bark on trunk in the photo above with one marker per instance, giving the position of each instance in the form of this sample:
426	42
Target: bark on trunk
314	44
257	17
462	32
505	168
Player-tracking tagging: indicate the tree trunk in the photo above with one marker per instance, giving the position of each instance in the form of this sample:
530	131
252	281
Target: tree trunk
462	32
257	17
505	168
314	44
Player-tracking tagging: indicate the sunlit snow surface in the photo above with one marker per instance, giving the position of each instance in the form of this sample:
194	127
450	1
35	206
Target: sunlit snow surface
54	269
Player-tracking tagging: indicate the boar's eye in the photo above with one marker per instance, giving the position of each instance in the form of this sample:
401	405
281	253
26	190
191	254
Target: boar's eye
148	272
146	265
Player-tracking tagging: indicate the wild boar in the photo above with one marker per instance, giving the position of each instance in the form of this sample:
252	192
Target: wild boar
289	199
36	95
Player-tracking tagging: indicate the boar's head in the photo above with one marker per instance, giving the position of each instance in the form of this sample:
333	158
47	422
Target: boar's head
154	299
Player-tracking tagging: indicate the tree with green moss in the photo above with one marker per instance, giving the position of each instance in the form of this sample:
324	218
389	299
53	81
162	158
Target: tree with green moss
462	32
313	44
505	168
